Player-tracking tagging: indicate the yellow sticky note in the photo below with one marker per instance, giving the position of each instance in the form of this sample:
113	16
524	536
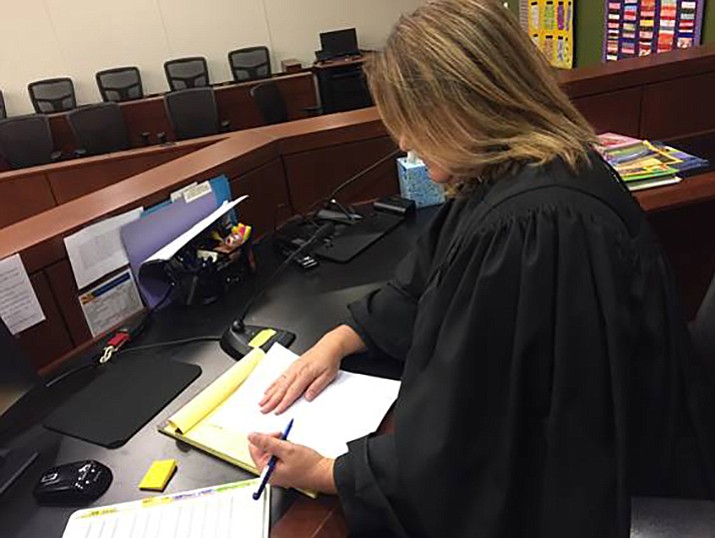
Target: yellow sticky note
262	337
158	475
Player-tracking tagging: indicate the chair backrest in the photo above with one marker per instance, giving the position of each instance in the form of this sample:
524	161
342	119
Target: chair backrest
187	73
52	95
99	128
3	110
120	84
250	63
270	102
192	112
26	140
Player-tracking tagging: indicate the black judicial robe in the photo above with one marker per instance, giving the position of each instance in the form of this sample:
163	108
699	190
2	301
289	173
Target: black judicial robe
548	372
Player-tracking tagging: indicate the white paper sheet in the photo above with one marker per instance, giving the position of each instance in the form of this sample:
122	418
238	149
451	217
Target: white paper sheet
226	511
97	250
349	408
19	307
168	252
110	302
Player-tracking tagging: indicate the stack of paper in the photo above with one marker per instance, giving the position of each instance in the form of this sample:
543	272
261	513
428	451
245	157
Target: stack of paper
643	164
220	418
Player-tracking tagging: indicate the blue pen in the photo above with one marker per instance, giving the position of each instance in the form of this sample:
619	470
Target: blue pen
268	469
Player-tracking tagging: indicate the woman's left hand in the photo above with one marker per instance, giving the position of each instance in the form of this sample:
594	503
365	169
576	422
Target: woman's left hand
298	466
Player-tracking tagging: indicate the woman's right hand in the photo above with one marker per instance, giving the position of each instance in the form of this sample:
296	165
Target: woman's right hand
313	371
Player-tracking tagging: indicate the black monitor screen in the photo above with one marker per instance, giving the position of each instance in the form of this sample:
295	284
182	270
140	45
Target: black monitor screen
17	375
339	43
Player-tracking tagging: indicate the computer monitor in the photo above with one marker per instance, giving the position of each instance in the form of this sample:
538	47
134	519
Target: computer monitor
339	43
17	379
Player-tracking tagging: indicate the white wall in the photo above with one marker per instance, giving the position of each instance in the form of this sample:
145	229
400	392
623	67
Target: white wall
76	38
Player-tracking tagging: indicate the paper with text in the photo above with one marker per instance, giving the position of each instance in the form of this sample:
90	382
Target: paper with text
97	250
19	307
110	302
349	408
218	512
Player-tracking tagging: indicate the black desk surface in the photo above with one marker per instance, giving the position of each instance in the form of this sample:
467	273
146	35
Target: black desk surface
305	303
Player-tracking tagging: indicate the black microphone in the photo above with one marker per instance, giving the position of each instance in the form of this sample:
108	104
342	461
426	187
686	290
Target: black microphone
330	199
238	337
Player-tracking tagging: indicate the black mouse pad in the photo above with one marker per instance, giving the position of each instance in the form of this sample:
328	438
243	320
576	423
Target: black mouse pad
126	395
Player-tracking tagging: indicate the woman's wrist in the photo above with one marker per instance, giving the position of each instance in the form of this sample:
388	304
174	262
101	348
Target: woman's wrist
343	341
325	483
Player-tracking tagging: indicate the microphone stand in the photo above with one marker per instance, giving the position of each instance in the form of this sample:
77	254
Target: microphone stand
240	339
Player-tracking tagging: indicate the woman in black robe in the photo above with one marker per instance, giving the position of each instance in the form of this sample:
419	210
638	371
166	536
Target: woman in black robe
548	373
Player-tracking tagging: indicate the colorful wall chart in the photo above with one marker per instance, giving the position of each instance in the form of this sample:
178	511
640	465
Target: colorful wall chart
643	27
550	25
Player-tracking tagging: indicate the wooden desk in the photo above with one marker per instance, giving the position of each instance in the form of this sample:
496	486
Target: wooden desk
27	192
234	103
287	167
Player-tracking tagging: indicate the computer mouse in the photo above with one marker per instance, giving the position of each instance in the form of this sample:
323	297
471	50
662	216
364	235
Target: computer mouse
73	483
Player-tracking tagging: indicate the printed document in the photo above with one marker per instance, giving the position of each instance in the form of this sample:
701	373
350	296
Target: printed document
19	307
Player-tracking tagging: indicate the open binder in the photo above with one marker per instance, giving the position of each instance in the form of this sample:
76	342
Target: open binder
219	419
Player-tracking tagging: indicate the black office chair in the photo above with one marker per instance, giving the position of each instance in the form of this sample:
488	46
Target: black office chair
52	95
3	110
120	84
99	128
270	102
187	73
272	105
27	141
250	63
193	113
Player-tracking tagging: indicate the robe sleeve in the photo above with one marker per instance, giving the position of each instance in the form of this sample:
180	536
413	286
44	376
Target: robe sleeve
512	414
385	317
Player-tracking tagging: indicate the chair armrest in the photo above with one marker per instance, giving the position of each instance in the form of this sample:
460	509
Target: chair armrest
312	111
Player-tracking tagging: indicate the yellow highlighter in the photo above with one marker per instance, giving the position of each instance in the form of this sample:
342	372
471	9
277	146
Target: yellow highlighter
158	475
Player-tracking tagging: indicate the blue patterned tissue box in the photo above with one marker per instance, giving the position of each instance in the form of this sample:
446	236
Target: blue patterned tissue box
416	185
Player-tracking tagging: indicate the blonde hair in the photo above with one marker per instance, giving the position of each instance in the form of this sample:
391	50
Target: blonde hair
462	84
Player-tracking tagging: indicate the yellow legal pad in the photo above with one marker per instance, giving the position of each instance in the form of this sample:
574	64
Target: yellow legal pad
190	425
158	475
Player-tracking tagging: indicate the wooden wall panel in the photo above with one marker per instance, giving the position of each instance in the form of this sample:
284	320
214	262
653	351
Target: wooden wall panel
314	174
268	204
70	183
686	235
50	339
64	287
617	112
679	107
24	196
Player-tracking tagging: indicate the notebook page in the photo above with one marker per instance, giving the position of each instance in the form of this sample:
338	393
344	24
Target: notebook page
349	408
221	512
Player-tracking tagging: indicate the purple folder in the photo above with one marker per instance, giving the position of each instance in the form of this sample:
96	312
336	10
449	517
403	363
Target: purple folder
147	235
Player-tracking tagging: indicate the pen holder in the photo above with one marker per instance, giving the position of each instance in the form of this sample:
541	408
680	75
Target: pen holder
201	280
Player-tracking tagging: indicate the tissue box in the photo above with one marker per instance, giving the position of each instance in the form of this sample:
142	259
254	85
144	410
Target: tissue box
416	185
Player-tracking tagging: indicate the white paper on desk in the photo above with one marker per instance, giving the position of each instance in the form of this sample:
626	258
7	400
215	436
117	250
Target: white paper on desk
97	250
168	252
19	307
349	408
226	511
110	302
